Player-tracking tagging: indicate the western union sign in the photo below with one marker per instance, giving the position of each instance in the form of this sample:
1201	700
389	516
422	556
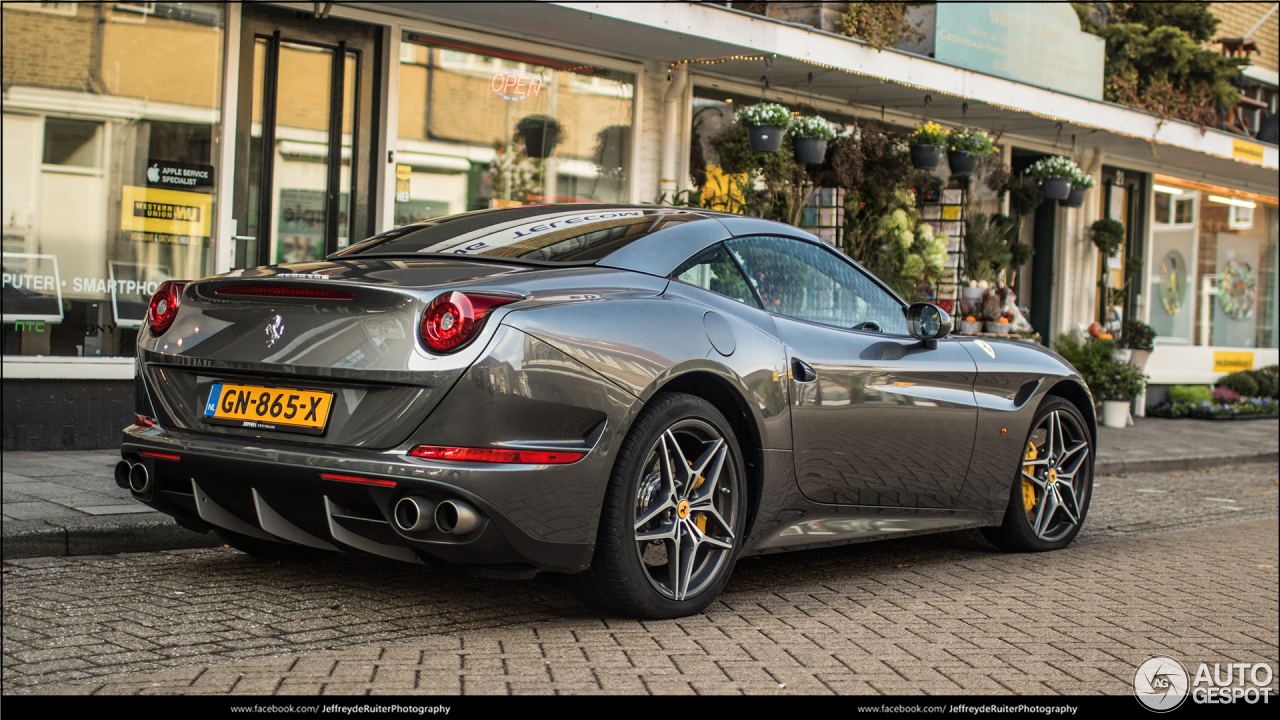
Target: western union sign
155	215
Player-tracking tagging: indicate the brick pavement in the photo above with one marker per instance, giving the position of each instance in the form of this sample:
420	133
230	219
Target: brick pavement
920	615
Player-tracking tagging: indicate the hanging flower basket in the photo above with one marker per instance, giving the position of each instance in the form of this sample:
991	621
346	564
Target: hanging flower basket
1075	198
1056	175
965	147
811	135
541	134
928	146
765	123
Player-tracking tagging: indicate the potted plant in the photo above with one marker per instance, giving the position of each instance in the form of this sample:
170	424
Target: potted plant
1111	382
810	135
965	147
928	146
1108	236
986	248
1081	183
1024	198
765	123
1055	174
1138	340
541	134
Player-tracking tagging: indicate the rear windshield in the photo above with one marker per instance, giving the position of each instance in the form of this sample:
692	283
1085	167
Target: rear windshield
542	235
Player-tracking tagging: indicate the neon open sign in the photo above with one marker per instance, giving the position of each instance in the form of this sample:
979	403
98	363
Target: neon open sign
516	85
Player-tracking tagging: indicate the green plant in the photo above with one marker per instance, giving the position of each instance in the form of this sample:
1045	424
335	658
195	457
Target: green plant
1139	335
1108	236
1024	198
811	126
1242	382
1053	166
544	123
763	114
986	246
880	24
1190	394
1268	383
1094	359
930	133
974	142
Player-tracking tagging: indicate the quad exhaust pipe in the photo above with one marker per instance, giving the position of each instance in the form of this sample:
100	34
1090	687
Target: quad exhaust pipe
134	476
456	517
414	513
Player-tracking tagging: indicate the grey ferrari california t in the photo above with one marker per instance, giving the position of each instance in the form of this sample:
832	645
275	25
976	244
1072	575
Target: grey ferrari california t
636	395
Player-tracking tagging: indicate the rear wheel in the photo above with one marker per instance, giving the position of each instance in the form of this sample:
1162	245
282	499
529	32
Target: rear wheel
1050	495
673	515
268	549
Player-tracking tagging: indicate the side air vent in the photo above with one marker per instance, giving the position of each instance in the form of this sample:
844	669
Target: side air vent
287	291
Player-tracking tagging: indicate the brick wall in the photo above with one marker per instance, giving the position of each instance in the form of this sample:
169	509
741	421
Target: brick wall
1235	20
47	50
66	414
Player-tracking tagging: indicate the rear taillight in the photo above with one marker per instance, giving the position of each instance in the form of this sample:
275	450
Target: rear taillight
454	318
496	455
164	306
143	420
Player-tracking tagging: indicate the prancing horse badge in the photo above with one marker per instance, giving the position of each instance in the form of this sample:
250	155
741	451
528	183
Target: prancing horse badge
275	329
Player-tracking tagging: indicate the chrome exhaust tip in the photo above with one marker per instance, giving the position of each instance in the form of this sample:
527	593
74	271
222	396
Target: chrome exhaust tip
139	479
122	474
414	514
456	517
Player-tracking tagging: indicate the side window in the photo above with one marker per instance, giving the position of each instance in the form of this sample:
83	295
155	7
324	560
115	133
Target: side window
713	269
807	282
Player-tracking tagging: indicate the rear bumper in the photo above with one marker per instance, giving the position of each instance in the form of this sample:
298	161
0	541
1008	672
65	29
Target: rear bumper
277	491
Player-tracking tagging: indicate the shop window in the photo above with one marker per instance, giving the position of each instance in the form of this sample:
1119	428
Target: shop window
73	142
489	127
1174	208
84	249
1240	218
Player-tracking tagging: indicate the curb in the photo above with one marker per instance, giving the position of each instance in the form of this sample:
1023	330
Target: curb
1120	467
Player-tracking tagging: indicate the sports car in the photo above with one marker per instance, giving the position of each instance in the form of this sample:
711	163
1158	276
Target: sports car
635	395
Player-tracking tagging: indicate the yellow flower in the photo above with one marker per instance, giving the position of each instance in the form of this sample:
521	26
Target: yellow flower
723	191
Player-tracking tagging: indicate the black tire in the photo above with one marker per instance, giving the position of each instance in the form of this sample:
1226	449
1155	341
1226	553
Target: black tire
652	509
269	550
1059	478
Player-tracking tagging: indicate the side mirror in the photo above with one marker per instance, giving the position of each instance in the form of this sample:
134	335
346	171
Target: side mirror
928	323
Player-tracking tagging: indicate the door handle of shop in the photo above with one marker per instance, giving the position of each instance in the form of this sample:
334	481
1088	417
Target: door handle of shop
801	371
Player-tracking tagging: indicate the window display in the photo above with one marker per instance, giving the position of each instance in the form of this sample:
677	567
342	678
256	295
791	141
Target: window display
110	168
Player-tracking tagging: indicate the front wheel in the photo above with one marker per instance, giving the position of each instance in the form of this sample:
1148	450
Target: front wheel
674	513
1050	496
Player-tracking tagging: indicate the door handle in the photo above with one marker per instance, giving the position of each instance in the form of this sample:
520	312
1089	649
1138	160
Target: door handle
801	371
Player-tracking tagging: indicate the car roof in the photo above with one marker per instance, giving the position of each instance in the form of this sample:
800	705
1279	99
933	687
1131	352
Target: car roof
653	239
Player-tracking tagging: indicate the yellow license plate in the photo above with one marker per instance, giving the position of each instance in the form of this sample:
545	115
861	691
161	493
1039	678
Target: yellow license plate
268	408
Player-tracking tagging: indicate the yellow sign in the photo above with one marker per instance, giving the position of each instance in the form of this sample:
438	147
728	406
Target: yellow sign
1245	150
166	212
1229	362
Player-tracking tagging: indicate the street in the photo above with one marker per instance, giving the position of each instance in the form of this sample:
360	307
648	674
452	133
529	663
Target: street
1179	563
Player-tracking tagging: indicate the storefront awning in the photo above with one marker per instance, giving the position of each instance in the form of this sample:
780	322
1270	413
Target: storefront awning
717	42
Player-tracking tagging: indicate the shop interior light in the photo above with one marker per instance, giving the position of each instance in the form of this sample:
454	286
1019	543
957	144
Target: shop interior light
1167	189
1233	201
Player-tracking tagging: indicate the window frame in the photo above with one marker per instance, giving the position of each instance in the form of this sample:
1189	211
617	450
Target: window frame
742	272
840	257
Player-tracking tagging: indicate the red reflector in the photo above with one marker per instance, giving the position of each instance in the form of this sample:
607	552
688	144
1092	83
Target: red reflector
496	455
284	291
142	420
159	456
358	479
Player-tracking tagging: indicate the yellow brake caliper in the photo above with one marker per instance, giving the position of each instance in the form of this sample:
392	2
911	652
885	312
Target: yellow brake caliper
1028	488
700	518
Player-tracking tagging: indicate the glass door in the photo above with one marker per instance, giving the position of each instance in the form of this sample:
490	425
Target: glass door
304	153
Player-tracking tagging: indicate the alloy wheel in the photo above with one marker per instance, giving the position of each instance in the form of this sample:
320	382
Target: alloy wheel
686	508
1055	476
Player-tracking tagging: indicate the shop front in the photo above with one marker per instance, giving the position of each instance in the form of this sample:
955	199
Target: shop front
154	141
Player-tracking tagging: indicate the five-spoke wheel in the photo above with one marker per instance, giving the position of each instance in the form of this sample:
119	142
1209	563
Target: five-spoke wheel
674	513
1051	495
